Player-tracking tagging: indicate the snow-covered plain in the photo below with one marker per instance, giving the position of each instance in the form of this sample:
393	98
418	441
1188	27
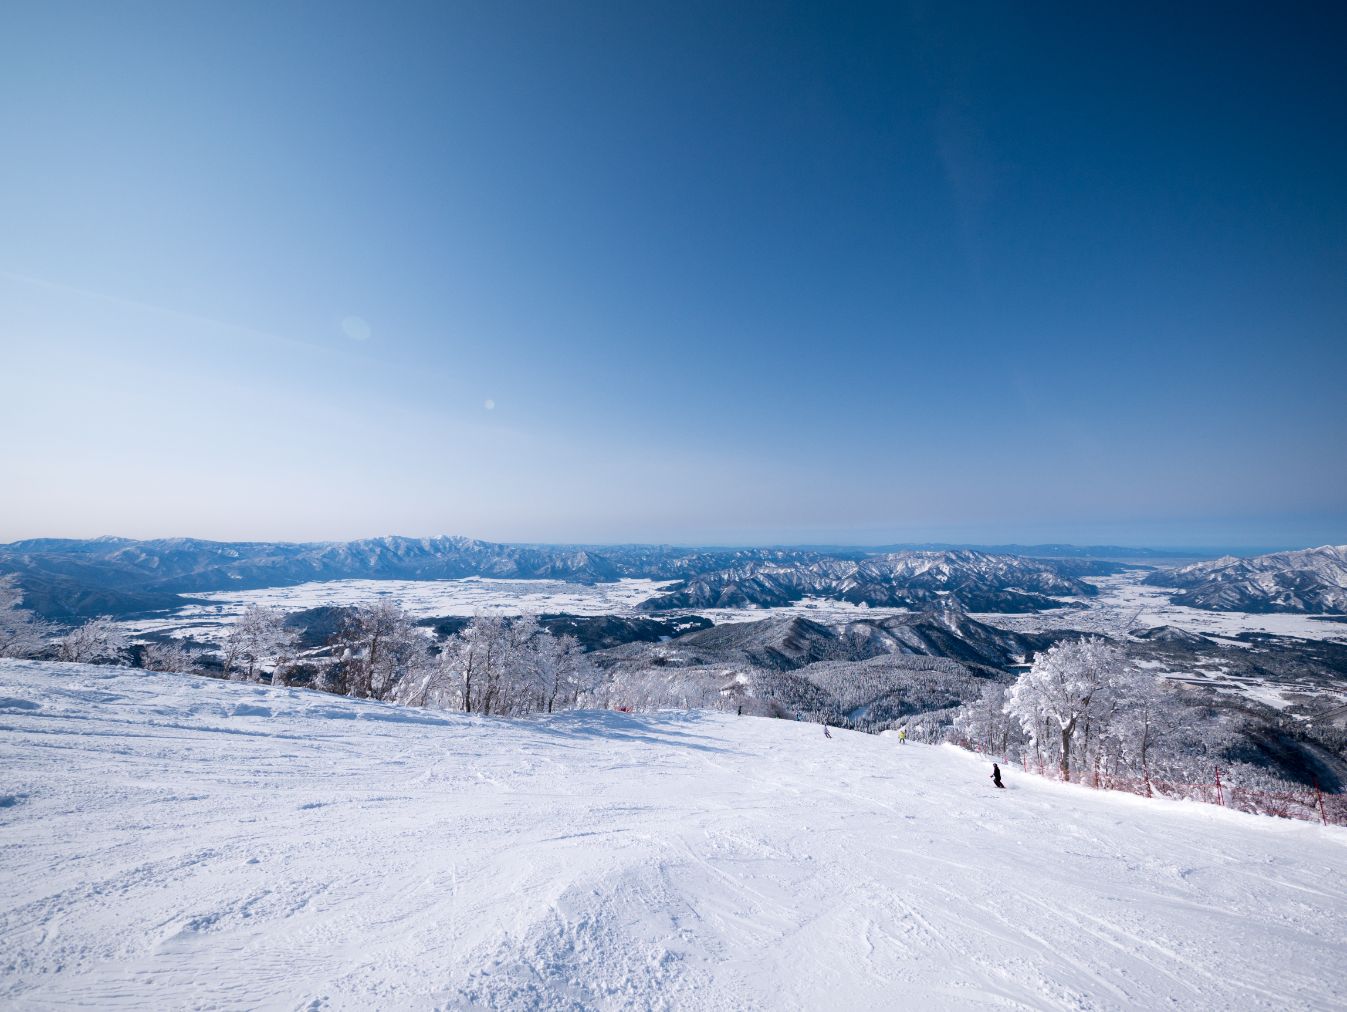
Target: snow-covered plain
172	841
420	598
1124	603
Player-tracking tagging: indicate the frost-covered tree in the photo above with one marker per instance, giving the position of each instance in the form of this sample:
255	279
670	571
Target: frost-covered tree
537	671
169	656
477	659
1066	690
94	642
502	667
659	688
1142	724
22	634
465	676
285	653
260	635
520	684
986	724
435	685
383	648
563	670
493	662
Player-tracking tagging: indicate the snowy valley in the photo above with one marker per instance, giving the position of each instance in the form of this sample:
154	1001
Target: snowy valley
1261	693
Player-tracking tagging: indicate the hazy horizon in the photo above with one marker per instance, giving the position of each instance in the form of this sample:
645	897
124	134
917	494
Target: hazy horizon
1177	550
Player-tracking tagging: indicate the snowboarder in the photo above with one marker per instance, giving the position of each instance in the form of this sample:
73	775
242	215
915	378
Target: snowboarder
826	732
902	736
996	776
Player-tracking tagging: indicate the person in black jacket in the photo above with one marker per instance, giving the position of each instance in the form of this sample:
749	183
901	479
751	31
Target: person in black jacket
996	776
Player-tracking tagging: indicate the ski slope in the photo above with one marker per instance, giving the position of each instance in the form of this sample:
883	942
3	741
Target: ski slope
171	841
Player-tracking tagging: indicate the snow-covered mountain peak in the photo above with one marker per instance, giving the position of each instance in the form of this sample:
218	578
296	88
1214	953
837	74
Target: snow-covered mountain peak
910	579
1312	580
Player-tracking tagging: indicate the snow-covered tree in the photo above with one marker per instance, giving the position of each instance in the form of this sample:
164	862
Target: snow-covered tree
260	635
534	670
436	684
562	669
1067	689
1142	724
520	685
477	659
383	648
985	723
658	688
22	634
501	666
169	656
285	652
95	641
446	682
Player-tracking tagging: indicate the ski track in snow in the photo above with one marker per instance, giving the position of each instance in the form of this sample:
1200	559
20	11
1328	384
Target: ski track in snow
172	841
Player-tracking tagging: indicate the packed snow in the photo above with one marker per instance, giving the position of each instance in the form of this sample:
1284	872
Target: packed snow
174	841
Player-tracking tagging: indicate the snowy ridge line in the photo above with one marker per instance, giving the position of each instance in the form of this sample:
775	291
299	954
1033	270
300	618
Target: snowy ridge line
1307	806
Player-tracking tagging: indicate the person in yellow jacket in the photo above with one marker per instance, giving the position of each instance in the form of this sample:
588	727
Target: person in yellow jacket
902	736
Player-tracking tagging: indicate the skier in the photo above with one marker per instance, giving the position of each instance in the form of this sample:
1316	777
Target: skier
826	732
902	736
996	776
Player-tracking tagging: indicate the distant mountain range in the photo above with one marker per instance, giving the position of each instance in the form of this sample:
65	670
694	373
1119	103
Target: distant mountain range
1312	581
1112	553
976	580
784	643
66	579
187	565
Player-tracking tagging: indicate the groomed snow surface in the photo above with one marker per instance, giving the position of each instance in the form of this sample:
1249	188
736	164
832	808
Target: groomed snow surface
174	842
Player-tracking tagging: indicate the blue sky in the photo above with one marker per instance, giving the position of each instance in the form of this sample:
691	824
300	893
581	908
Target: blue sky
725	273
